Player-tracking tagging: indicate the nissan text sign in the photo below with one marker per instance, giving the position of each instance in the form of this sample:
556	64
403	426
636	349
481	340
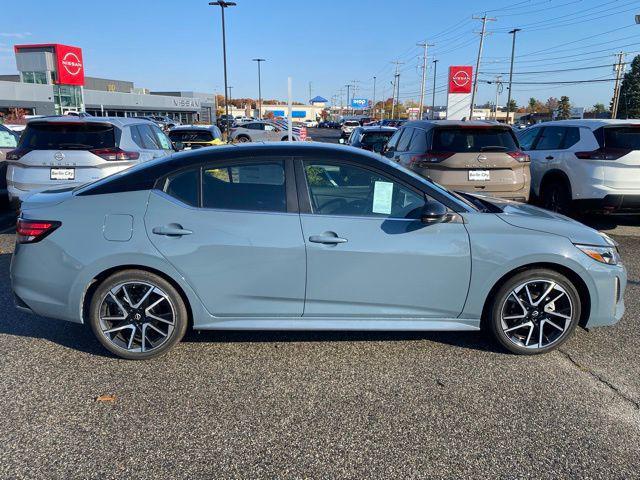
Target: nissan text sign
460	80
69	65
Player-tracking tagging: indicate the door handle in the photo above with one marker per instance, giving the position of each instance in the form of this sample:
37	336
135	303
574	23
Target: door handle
328	238
549	157
171	230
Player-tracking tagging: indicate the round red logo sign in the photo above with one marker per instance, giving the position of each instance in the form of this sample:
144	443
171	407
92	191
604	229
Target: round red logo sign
71	63
461	78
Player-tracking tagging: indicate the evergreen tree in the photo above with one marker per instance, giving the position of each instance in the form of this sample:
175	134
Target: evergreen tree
629	103
532	104
564	108
599	108
513	105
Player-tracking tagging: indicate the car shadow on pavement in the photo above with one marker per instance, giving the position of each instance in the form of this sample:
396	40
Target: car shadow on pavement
611	224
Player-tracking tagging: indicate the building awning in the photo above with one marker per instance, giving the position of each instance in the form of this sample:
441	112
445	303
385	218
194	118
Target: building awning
318	99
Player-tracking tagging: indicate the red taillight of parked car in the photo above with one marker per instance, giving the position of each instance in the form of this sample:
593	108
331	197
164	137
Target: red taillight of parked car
17	154
603	154
520	156
424	160
115	154
31	231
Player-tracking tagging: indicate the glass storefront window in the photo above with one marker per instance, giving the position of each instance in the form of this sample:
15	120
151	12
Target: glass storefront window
34	77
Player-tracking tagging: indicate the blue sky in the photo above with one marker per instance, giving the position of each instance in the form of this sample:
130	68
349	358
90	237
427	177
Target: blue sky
167	45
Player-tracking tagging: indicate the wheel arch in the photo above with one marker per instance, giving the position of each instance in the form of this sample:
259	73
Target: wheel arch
575	278
555	174
100	277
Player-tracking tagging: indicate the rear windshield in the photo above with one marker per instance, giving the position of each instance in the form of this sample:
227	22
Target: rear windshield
622	137
187	136
68	136
469	139
375	137
352	124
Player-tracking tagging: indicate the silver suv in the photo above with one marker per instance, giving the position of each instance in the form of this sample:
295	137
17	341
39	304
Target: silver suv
61	152
260	132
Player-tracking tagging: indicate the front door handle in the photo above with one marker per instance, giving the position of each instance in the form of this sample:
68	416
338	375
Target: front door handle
549	157
171	230
328	238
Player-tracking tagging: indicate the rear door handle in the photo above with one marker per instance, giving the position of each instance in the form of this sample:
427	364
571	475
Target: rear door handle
328	238
549	157
171	230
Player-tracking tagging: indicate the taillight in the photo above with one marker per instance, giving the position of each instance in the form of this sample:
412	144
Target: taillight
31	231
431	156
17	154
115	154
519	156
603	154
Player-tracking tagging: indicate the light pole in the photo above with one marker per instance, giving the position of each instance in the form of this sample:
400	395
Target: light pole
223	4
258	61
433	93
373	101
513	50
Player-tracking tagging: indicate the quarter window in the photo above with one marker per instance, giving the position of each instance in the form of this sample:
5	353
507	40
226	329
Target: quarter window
249	186
184	186
343	189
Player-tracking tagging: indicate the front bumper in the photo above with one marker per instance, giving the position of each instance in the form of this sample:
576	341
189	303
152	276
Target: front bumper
607	297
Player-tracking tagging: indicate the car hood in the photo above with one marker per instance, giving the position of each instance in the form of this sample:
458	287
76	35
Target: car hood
534	218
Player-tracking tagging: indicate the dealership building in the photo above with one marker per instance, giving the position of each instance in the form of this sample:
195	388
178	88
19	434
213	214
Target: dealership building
51	81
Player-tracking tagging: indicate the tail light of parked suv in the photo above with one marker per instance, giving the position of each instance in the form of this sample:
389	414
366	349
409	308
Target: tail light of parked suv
17	154
425	159
603	153
32	231
520	156
115	154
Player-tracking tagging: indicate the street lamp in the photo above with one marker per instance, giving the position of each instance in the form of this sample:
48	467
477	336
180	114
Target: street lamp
258	61
223	4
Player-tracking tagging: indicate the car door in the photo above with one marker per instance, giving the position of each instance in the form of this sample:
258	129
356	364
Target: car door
547	153
368	253
271	133
233	231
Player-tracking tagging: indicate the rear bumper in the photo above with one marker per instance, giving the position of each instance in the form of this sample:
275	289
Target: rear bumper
610	203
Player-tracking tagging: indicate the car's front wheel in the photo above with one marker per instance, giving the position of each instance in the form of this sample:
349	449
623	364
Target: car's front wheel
535	311
137	315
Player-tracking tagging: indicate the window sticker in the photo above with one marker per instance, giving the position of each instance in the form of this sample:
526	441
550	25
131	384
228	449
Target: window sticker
382	195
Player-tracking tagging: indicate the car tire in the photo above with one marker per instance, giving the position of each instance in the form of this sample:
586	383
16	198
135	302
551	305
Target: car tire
516	322
242	139
163	308
286	139
555	195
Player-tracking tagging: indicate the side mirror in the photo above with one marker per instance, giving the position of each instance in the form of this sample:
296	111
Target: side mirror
433	212
177	146
341	140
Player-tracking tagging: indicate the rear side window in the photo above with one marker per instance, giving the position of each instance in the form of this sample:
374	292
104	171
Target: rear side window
571	137
405	140
622	137
187	136
184	186
257	187
68	136
551	138
473	139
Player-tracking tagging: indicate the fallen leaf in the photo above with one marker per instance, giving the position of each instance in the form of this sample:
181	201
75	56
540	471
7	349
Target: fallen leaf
106	398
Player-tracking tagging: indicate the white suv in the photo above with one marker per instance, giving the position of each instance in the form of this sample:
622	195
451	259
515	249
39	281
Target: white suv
585	165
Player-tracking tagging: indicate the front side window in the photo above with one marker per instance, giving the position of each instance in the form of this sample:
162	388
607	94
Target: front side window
344	189
249	186
161	138
393	141
148	138
527	137
405	140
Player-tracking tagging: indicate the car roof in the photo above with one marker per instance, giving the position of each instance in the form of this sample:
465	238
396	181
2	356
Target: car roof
193	127
378	128
117	121
593	124
453	123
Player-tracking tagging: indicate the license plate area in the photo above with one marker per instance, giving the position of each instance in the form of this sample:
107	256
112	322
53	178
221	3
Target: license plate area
62	174
479	175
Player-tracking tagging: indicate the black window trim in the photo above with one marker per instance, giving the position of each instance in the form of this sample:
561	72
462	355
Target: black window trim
291	195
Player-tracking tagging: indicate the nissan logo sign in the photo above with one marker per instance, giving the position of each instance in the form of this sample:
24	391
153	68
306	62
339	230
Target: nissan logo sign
71	63
461	78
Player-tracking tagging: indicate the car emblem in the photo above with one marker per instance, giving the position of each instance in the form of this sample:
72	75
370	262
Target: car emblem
482	158
59	156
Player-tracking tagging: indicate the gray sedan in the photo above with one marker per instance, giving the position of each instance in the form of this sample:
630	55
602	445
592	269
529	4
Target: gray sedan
305	236
260	131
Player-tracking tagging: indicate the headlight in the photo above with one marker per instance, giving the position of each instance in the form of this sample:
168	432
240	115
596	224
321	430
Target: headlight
608	255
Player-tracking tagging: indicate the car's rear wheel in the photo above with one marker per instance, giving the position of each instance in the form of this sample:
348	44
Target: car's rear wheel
535	311
243	139
137	315
286	138
556	196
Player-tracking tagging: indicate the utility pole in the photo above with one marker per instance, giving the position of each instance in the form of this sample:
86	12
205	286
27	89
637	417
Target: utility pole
474	90
348	85
223	4
373	100
258	61
310	97
395	84
424	75
498	92
433	93
354	84
341	92
619	69
513	51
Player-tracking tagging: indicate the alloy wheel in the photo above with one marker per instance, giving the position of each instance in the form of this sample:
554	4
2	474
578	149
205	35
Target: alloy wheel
536	314
137	316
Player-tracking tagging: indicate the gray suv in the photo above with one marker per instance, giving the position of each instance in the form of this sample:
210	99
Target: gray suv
260	132
60	152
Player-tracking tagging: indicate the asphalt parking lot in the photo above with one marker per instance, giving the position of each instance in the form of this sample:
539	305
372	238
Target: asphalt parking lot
330	405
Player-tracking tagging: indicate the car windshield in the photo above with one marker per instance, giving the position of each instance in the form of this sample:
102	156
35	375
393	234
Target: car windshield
473	139
68	136
187	136
627	137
